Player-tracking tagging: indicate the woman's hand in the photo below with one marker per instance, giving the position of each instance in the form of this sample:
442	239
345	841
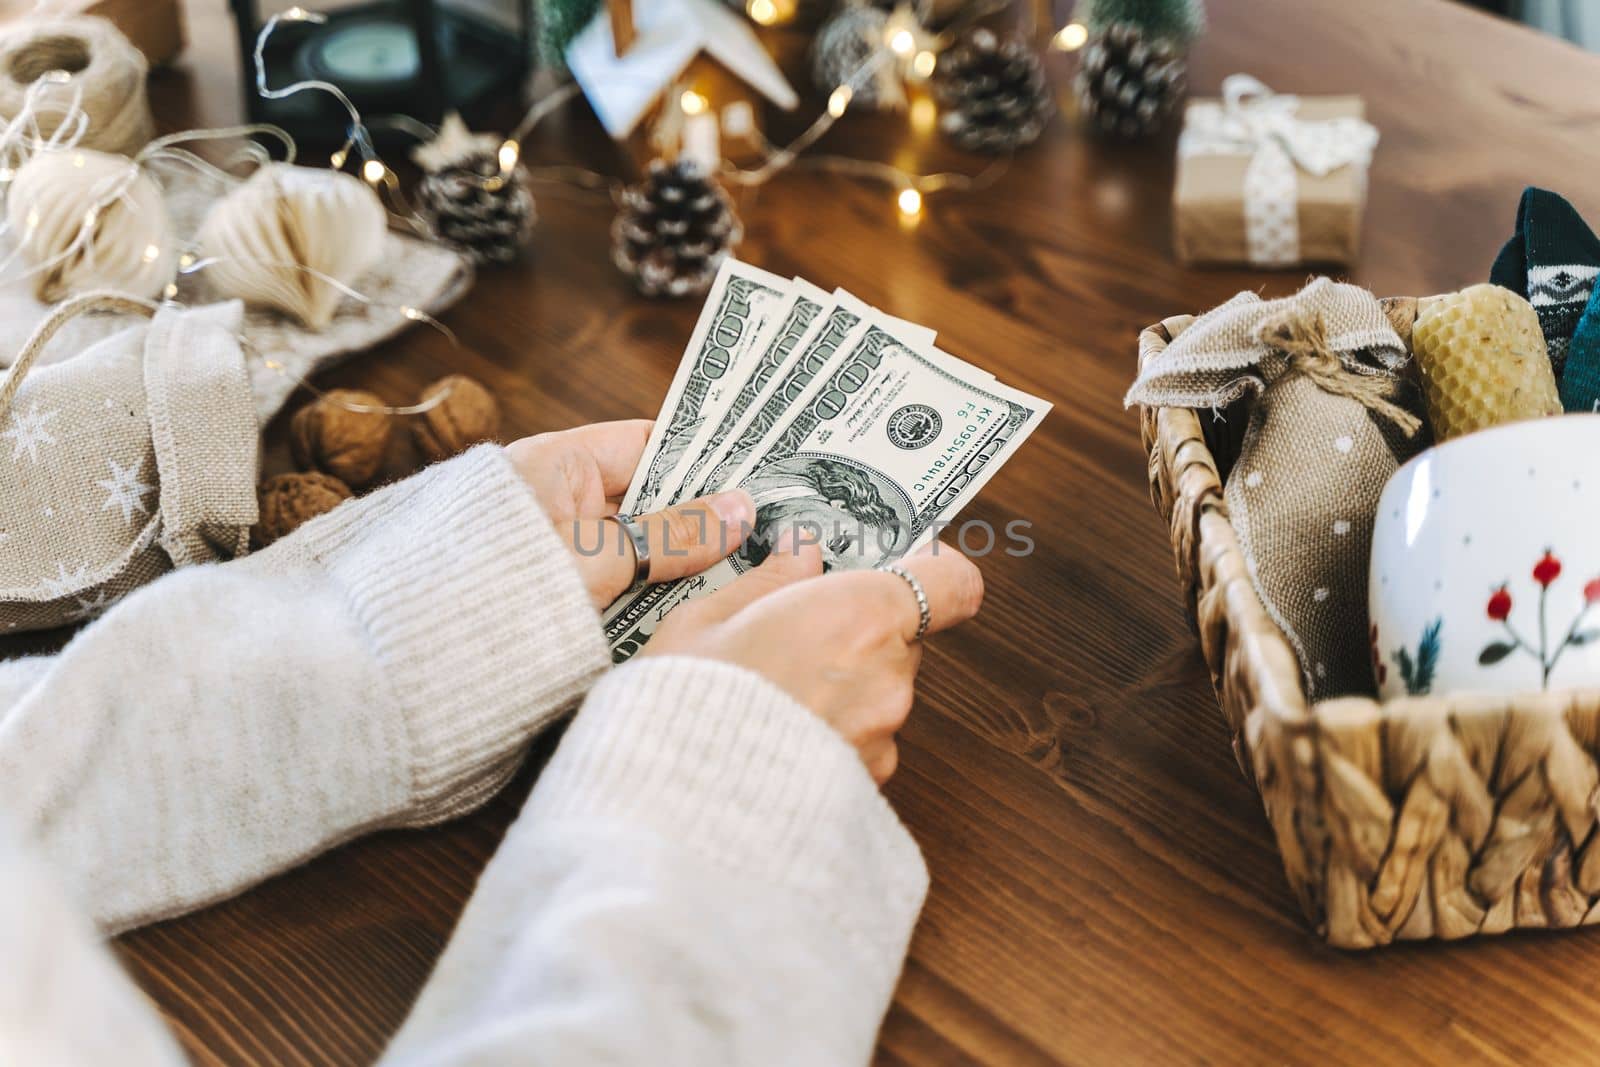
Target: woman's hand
843	644
579	477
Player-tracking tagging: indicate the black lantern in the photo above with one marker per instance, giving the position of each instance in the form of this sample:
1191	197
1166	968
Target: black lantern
415	58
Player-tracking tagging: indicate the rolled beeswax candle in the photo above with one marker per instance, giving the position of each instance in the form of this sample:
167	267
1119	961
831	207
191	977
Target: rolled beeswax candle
1483	361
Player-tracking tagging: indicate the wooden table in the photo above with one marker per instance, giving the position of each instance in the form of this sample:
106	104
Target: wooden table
1105	889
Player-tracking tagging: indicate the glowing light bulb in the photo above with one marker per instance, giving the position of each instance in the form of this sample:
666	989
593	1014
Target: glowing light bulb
922	66
171	291
78	160
338	158
186	261
910	202
152	253
762	12
693	103
414	314
924	114
902	43
374	171
1071	37
839	100
296	14
510	152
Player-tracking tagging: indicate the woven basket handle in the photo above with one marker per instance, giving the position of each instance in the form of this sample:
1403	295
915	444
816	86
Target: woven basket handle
60	315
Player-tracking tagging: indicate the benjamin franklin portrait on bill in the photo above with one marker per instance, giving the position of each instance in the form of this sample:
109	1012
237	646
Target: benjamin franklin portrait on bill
834	504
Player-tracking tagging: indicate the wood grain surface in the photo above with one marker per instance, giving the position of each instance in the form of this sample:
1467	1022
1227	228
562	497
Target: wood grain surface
1105	889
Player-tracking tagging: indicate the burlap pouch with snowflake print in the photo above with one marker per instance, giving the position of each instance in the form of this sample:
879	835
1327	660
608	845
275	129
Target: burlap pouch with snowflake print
1332	419
138	454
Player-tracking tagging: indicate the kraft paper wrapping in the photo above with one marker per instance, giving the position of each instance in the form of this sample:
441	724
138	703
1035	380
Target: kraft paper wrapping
1208	202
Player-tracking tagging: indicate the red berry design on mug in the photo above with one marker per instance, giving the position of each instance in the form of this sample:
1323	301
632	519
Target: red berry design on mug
1547	569
1551	646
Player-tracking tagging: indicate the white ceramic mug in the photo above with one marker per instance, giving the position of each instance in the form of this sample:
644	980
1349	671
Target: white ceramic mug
1486	563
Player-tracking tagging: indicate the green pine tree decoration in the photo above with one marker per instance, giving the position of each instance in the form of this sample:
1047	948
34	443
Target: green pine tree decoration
1418	673
559	21
1174	20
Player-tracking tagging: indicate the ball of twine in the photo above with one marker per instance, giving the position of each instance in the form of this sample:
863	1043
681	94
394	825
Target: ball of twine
104	67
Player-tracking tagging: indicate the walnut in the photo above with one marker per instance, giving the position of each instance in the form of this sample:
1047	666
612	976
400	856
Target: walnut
350	445
467	415
287	500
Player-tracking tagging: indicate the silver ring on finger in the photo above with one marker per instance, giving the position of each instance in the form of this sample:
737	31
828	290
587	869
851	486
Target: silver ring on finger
641	547
924	613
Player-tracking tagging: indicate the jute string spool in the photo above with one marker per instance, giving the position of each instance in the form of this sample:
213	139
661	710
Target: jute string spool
104	67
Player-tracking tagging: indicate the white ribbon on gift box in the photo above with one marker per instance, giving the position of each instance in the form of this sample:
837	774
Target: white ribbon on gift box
1254	121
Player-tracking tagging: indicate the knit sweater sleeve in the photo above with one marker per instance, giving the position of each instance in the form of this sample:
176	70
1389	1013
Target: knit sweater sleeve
705	873
384	666
58	973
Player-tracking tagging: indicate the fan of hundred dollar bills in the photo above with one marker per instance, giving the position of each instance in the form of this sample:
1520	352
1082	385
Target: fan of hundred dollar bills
847	427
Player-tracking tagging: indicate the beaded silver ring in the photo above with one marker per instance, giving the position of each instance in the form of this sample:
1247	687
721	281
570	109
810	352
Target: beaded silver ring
924	613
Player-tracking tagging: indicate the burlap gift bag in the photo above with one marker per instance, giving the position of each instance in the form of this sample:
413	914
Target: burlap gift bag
1332	421
138	454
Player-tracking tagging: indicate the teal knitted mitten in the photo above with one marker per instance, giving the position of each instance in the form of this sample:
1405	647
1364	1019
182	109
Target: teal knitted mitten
1580	386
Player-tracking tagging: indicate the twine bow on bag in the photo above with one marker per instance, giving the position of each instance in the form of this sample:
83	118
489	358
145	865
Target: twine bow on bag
1253	121
1335	334
1300	344
1332	422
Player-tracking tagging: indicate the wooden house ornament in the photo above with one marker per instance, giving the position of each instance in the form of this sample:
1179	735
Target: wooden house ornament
671	76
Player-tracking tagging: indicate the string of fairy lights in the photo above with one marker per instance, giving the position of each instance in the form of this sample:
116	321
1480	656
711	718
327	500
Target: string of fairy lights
906	43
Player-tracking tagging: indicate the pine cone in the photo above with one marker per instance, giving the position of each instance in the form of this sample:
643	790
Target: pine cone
1127	83
470	203
995	94
674	230
845	44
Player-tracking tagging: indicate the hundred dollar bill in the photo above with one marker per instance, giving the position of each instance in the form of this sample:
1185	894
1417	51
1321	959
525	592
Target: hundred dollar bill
870	462
792	323
741	301
815	348
966	368
916	417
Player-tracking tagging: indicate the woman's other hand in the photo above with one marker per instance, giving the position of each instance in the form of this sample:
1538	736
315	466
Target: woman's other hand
844	644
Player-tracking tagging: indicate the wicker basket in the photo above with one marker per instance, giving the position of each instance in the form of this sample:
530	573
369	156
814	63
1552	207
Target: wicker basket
1427	817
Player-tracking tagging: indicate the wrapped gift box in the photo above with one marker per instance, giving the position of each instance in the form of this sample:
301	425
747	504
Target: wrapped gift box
1271	180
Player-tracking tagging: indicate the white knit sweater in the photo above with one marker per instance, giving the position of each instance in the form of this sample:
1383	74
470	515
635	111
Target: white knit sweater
705	873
